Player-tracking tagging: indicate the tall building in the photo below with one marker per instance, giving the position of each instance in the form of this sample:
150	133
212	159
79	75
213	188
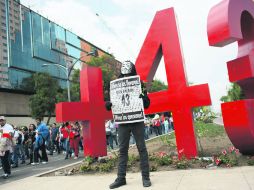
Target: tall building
27	42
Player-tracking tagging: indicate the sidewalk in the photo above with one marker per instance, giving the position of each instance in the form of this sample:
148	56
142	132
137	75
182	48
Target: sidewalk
238	178
218	121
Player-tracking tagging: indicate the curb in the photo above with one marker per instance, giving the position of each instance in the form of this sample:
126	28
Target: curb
56	169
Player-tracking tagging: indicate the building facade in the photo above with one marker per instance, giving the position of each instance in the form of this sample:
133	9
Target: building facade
27	42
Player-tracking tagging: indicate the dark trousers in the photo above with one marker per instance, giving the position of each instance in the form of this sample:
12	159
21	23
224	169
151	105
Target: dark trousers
137	130
31	153
56	143
44	156
6	162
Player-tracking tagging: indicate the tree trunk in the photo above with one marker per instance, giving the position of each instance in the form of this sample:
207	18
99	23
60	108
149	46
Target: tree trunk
49	117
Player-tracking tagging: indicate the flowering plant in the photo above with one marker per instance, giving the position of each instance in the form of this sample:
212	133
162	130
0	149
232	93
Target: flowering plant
161	158
227	158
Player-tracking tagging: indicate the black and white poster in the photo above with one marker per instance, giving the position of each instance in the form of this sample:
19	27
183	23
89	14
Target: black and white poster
127	107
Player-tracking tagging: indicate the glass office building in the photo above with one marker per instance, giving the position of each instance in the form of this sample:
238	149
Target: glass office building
28	40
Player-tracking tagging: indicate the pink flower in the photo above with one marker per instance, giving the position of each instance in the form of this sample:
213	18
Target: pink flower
237	151
217	161
231	149
224	152
161	154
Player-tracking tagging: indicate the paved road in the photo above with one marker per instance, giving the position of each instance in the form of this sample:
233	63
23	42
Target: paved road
24	170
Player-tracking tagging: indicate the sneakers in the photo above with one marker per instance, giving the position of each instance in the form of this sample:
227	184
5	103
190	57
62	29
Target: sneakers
34	163
44	162
146	182
14	166
5	176
118	183
75	158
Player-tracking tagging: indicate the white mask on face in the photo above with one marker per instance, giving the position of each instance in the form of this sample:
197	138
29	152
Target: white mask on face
126	68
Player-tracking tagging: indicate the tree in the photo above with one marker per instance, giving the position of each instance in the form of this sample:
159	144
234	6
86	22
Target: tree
234	93
110	70
43	101
74	89
158	85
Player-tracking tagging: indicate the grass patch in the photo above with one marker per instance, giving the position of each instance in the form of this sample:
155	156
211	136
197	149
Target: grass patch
209	129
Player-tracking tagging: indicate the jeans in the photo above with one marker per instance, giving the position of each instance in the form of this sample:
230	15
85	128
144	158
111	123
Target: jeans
44	156
146	131
18	152
137	130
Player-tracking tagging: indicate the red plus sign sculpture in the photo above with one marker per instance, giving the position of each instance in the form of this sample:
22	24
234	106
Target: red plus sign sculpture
162	39
90	109
228	22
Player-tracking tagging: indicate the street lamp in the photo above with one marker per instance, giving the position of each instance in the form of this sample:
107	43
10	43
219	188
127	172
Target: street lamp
68	69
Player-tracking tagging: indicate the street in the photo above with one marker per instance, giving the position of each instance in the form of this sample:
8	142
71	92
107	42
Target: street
24	170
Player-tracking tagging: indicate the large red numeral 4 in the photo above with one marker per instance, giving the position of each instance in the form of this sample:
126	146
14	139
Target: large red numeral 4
230	21
162	39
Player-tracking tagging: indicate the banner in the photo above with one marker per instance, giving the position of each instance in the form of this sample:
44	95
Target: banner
127	107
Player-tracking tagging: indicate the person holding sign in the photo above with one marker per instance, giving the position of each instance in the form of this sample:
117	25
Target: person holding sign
127	100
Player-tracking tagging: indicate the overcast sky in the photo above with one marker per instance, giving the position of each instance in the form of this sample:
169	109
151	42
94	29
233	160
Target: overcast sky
120	28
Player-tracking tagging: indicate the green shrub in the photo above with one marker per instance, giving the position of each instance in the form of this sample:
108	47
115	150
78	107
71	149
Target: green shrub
227	158
85	168
153	168
163	159
106	167
88	160
132	159
250	162
182	163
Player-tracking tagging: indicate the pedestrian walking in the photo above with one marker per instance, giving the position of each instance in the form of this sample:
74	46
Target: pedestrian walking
6	144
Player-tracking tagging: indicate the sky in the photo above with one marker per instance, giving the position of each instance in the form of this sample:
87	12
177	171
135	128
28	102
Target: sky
120	27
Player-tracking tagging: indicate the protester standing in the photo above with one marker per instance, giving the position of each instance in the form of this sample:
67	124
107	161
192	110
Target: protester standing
42	135
6	139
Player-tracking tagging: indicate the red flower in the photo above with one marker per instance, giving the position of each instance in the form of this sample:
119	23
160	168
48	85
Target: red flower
217	161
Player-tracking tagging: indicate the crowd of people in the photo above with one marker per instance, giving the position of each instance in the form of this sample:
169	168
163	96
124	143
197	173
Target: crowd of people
33	144
154	126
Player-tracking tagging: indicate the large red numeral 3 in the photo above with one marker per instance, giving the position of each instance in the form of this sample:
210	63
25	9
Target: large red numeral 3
230	21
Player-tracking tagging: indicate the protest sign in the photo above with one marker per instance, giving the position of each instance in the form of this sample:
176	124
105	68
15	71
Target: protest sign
127	107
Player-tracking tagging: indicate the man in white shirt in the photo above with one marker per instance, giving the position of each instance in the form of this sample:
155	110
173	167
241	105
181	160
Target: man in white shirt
7	132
